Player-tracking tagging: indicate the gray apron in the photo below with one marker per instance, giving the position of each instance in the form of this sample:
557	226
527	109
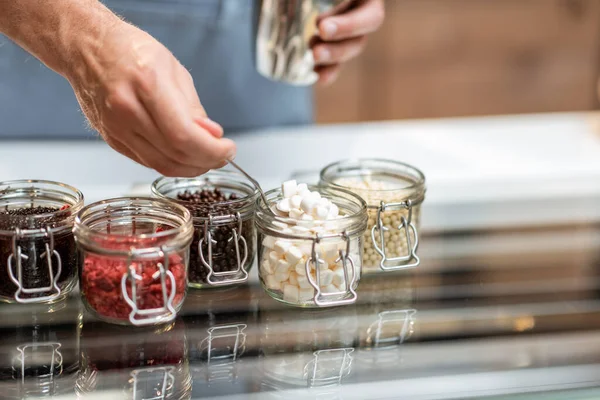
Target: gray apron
212	38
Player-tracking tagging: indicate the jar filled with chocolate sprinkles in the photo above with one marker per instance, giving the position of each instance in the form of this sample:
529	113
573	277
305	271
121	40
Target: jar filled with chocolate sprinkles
38	256
222	207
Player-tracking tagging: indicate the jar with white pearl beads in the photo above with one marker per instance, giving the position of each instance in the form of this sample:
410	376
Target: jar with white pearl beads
310	247
394	193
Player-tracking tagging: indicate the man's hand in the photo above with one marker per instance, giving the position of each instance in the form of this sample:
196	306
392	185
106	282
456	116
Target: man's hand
144	104
130	87
343	37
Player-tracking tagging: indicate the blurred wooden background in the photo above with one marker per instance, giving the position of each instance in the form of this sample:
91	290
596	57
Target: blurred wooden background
440	58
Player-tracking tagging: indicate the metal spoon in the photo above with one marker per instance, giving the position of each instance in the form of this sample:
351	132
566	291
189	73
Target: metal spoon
254	182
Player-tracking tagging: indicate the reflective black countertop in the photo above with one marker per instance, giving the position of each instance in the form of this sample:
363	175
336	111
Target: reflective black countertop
504	313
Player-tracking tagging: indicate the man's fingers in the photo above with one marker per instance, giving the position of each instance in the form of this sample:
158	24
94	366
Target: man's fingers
328	74
329	53
366	18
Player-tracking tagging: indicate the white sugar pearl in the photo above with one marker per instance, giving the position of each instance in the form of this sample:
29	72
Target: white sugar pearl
296	213
289	188
284	206
272	283
281	246
293	279
308	204
306	294
291	293
301	188
295	201
274	258
293	255
321	212
333	211
326	277
269	242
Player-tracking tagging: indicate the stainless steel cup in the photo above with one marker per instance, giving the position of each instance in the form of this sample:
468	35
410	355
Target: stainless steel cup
284	31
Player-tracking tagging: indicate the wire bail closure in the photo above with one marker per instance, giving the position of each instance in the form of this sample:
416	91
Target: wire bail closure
392	317
331	299
334	376
139	317
163	383
18	257
221	365
410	260
55	362
241	256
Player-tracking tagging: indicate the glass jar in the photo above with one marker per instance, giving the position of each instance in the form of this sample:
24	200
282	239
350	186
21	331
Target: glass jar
394	192
222	207
37	249
328	271
39	357
134	258
146	363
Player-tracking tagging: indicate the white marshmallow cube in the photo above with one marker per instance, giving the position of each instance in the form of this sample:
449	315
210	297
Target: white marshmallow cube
307	217
326	277
296	213
300	269
303	282
272	283
295	201
291	293
306	294
334	211
281	246
339	278
293	279
274	258
321	212
269	242
307	204
315	195
289	188
301	188
266	267
330	289
293	255
284	205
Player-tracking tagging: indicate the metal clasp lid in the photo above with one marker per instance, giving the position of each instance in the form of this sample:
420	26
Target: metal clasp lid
321	299
241	257
328	367
46	381
405	317
407	261
151	316
159	382
18	256
221	363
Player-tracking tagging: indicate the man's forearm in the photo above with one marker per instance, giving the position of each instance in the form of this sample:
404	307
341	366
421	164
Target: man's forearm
57	32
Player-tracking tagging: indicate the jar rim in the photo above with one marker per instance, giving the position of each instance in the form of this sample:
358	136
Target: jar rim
415	184
74	194
231	177
358	217
82	227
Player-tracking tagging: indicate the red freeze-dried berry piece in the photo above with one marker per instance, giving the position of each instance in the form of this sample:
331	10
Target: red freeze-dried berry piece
65	207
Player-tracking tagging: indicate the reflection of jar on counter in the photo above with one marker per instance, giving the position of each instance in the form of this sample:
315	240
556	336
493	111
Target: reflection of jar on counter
145	363
39	353
313	349
394	192
222	207
309	261
134	255
38	257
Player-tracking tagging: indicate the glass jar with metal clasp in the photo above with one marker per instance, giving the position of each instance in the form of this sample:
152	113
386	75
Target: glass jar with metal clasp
312	263
38	257
134	258
394	193
145	363
222	206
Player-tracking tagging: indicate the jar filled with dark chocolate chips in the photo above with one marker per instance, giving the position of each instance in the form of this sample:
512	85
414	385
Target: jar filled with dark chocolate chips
222	207
38	257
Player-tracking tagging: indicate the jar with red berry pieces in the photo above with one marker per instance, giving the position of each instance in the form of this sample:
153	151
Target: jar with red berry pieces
134	256
38	256
222	205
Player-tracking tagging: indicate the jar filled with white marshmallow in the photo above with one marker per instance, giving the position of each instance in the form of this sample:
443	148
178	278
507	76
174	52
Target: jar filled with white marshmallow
394	192
310	246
